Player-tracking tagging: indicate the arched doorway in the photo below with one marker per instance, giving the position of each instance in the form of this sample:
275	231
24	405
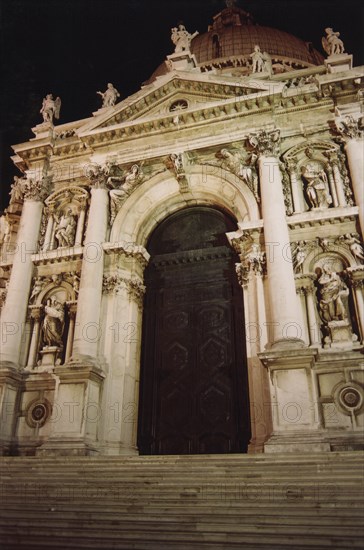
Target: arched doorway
194	390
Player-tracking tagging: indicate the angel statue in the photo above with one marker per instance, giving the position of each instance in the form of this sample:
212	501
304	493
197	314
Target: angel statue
331	43
351	240
181	38
50	108
117	196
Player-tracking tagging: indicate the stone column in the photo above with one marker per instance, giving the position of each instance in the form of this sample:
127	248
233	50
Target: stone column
357	284
349	129
332	186
48	244
296	195
80	224
87	328
72	309
123	301
313	325
307	288
284	305
250	275
35	313
15	308
339	187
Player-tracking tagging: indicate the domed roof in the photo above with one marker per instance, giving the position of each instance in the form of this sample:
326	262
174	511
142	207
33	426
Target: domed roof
231	38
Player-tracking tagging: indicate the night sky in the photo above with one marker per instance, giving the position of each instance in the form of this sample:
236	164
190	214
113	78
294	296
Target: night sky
72	48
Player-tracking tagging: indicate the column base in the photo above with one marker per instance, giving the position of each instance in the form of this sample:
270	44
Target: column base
118	450
308	442
10	385
67	447
302	442
288	343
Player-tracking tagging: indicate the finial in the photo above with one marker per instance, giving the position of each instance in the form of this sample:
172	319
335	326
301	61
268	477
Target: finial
230	3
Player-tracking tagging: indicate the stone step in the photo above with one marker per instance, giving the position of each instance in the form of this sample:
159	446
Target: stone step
199	502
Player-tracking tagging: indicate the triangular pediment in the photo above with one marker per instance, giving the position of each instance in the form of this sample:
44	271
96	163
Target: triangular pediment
172	94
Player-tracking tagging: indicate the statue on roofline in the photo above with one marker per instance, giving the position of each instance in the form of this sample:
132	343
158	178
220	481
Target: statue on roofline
181	38
331	43
110	96
50	108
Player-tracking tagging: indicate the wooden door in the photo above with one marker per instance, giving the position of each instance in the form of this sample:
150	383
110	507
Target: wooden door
194	392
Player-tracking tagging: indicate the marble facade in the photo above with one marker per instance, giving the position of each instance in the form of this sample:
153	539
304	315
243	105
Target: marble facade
76	245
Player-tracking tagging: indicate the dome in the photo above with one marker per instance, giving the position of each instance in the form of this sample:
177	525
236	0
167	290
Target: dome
231	38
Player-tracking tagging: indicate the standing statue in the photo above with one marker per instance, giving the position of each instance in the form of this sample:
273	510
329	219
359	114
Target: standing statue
181	38
16	190
53	324
66	229
316	187
332	291
50	108
110	96
257	60
331	43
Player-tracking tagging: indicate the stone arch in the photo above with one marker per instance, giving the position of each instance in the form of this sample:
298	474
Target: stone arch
160	196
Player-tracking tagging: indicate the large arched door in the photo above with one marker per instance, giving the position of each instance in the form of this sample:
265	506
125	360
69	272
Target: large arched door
194	391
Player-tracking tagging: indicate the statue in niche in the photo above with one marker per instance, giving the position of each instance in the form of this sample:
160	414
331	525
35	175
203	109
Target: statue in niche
317	191
353	243
66	229
332	291
331	43
110	96
117	196
181	38
53	324
50	108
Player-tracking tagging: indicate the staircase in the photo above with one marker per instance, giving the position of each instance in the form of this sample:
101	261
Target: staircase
295	501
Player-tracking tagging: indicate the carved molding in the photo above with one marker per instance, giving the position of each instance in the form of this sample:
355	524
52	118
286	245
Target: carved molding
41	282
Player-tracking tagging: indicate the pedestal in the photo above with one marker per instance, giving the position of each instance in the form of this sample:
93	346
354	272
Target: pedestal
76	412
182	61
341	335
50	356
339	63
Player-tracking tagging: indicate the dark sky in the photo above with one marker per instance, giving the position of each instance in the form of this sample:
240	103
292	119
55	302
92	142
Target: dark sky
72	48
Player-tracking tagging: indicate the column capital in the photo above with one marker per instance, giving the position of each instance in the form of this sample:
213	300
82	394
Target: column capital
349	127
253	262
36	190
305	283
355	276
266	143
35	312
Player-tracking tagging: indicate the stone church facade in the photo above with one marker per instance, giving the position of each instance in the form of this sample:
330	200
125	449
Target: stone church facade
182	272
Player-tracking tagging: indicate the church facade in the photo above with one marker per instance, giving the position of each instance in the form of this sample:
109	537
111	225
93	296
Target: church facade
182	272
